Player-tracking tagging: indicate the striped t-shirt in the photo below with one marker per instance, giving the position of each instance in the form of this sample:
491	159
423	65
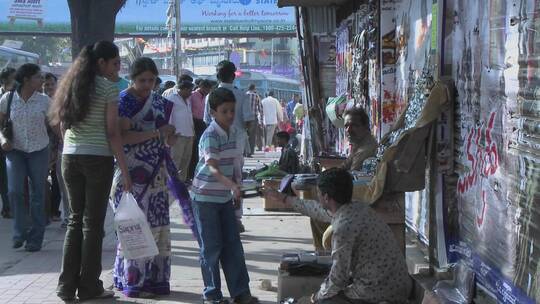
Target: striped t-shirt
216	144
89	137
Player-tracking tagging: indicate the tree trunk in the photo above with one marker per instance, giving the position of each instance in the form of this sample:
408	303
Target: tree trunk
92	21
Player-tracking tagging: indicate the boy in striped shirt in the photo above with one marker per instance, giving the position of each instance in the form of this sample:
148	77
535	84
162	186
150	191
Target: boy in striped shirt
215	192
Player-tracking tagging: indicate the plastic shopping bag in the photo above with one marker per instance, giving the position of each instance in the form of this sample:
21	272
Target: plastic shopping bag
132	229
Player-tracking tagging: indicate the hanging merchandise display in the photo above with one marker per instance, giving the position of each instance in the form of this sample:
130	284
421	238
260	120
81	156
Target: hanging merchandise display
374	67
414	108
389	107
359	70
334	109
495	59
357	66
326	59
401	161
342	60
407	63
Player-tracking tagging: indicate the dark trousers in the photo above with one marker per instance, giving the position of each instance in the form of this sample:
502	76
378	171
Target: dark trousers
199	127
55	194
252	134
4	183
259	136
88	180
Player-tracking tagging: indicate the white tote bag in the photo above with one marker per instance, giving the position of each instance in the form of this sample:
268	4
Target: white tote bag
132	229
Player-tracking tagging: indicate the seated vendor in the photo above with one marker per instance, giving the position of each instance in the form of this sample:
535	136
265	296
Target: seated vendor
288	161
367	263
363	146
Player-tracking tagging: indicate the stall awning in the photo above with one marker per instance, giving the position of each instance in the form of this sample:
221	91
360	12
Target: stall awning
308	3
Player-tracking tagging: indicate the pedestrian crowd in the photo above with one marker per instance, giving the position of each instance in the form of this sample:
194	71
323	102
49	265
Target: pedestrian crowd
86	142
71	144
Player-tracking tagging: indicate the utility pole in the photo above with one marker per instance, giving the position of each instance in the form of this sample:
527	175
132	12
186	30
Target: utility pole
171	64
272	57
178	42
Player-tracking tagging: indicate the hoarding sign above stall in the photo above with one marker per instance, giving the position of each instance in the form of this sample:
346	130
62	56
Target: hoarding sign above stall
148	17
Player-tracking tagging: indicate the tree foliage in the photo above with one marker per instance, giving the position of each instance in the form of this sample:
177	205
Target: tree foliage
49	49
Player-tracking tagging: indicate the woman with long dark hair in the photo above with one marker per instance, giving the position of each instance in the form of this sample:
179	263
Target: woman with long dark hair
146	133
86	110
27	154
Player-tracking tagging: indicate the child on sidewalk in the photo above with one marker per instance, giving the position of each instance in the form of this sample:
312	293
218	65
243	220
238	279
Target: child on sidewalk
288	161
215	189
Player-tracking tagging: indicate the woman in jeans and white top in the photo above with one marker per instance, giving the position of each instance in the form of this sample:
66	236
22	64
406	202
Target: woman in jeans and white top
27	155
86	109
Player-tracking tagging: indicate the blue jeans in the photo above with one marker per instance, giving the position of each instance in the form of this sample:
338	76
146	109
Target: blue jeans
220	243
34	165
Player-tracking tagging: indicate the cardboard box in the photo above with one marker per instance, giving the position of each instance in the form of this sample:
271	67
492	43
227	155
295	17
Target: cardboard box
272	205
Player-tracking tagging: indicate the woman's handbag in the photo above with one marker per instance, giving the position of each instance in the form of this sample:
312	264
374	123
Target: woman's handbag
7	126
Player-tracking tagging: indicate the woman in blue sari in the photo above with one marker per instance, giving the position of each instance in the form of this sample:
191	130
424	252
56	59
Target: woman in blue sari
146	135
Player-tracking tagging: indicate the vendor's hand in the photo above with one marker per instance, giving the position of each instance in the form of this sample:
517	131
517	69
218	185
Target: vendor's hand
6	146
314	298
167	130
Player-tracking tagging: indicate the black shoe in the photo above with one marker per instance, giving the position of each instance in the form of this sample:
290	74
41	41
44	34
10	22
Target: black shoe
66	298
246	299
17	244
6	214
32	248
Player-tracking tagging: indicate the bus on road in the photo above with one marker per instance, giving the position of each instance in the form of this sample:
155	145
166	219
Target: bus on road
14	58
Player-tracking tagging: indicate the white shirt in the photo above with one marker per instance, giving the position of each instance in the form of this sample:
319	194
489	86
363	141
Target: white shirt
270	110
181	116
29	121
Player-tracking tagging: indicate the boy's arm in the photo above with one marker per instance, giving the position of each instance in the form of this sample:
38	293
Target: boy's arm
206	116
213	165
209	148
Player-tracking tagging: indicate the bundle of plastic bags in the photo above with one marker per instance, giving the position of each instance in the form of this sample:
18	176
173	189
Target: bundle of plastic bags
272	171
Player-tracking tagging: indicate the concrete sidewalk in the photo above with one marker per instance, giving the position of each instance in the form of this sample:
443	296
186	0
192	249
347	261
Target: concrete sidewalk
32	277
